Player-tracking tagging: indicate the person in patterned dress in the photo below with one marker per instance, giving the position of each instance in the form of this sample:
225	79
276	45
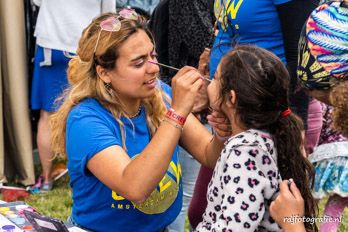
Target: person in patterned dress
251	88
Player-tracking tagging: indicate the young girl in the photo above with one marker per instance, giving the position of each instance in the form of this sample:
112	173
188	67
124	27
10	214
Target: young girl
330	160
251	88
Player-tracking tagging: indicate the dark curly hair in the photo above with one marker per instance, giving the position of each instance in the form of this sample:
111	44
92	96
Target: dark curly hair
339	100
261	83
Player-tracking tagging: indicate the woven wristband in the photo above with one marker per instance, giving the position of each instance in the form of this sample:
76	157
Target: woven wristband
171	114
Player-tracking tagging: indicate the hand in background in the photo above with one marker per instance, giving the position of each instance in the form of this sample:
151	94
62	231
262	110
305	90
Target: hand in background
203	64
321	95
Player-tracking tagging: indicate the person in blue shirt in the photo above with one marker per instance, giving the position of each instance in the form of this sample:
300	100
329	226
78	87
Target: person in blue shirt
119	127
261	28
268	24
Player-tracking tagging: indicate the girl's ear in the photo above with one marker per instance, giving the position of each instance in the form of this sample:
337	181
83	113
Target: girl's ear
103	74
231	102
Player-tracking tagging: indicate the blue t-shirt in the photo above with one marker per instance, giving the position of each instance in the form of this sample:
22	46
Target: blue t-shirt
248	22
92	128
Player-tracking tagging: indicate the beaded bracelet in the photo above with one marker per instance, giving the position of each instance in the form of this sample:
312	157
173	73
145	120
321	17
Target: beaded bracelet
174	124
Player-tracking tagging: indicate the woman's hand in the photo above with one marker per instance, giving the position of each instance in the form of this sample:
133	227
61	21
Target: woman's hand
220	123
288	205
185	86
202	100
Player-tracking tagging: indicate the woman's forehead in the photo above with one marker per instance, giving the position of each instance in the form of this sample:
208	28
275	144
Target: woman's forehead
136	45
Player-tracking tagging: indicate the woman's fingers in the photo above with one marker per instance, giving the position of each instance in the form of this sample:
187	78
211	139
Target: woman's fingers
185	86
295	191
284	188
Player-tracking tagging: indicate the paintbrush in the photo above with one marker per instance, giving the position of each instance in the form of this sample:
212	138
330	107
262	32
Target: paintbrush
171	67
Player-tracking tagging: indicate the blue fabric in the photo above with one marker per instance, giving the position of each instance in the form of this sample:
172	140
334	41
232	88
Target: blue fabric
147	5
48	82
331	177
90	129
248	22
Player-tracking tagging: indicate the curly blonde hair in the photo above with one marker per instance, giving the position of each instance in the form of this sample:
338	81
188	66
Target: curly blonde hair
339	100
85	83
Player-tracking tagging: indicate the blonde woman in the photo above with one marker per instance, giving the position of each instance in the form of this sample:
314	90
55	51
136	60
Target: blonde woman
120	131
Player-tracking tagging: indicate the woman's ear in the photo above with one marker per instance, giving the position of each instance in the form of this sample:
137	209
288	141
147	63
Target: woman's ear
103	74
231	101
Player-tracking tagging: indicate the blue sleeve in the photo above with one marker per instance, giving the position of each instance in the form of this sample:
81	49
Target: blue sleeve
278	2
86	135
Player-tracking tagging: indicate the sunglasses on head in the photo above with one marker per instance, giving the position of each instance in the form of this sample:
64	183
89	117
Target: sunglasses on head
112	24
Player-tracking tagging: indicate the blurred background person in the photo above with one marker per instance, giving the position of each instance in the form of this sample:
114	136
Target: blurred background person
58	28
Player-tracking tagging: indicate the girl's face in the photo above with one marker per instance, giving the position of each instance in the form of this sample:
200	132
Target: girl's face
214	90
134	78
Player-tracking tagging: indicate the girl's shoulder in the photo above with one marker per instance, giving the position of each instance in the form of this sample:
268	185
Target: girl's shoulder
255	144
251	137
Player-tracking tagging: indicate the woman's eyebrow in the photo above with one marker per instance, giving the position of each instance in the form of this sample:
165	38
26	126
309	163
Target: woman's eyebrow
142	56
139	57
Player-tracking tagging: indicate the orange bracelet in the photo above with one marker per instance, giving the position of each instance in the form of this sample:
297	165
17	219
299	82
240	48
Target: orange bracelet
171	114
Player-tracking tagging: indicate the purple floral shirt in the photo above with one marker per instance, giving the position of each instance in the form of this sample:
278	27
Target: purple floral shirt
328	134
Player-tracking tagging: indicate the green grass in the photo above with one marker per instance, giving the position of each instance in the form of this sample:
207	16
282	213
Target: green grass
57	203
